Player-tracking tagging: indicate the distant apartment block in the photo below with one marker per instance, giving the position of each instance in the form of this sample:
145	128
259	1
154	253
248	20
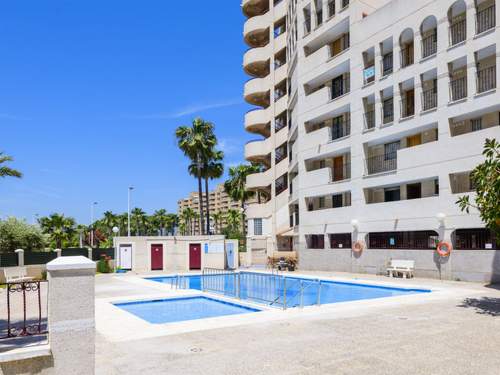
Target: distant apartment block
369	116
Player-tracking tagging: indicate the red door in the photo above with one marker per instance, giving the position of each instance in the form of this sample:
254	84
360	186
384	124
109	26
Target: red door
194	256
156	257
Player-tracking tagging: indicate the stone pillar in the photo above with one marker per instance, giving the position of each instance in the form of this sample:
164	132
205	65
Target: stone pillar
59	252
71	320
89	253
20	257
248	260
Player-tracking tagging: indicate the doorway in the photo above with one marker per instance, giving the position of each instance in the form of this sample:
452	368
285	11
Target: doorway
125	257
156	257
194	256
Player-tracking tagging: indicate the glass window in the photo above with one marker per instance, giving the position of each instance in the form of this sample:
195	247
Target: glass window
257	227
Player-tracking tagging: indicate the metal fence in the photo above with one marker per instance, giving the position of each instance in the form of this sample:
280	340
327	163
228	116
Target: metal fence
458	30
273	289
485	19
39	257
71	252
8	259
26	313
98	253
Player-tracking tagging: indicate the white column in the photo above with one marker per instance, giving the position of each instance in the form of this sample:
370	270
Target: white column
71	310
20	257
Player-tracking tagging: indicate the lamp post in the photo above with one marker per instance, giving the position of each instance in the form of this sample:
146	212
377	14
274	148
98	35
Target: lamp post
130	188
92	223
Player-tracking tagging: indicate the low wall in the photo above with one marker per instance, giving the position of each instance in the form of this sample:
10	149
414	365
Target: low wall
34	270
464	265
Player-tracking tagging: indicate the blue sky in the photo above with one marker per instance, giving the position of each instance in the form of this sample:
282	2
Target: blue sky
92	91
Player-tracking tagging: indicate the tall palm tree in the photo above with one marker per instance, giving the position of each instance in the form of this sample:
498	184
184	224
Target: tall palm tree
160	221
59	228
138	219
196	141
6	171
107	223
217	217
187	216
235	187
233	219
213	168
172	221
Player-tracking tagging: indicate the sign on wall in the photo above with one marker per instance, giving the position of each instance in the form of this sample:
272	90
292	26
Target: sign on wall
214	248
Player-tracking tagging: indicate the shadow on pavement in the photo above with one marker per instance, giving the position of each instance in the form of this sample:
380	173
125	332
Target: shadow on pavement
485	305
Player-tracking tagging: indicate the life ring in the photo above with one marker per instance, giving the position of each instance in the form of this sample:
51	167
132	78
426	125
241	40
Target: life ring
358	246
444	248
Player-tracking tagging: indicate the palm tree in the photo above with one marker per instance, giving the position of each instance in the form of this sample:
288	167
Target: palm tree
6	171
233	219
217	218
235	187
107	223
122	223
187	216
213	168
196	141
59	228
160	220
138	219
172	221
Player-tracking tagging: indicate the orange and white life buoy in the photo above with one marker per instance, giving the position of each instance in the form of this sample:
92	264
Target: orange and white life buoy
358	246
444	248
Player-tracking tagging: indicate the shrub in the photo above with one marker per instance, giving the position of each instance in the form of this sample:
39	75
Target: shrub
103	265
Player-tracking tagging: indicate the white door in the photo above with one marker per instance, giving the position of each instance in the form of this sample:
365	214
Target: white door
125	257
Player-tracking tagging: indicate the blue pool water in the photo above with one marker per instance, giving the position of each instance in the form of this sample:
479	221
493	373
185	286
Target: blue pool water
180	309
287	290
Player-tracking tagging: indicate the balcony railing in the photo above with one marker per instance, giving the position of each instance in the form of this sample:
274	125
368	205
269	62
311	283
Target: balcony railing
341	129
369	74
485	19
382	163
388	111
407	56
387	64
458	88
429	45
319	17
345	3
429	99
458	30
331	8
369	120
307	26
279	123
340	88
281	184
341	173
407	107
280	154
486	79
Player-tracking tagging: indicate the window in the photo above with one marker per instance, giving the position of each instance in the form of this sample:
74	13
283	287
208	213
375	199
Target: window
392	194
436	186
414	191
322	164
257	227
390	150
321	202
418	240
340	241
315	241
337	200
475	239
476	124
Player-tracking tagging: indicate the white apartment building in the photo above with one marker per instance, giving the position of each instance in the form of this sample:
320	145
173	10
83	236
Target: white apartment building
387	107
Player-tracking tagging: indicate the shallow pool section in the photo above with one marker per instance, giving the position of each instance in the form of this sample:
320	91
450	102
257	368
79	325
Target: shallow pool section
181	309
281	291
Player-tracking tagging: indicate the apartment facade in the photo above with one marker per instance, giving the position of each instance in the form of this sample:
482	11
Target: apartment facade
219	202
388	106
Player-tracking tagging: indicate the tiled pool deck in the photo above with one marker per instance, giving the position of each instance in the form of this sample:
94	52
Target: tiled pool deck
455	330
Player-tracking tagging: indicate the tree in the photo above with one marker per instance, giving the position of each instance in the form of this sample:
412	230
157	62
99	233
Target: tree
160	221
217	217
196	141
235	187
138	220
6	171
486	181
187	217
59	228
17	234
233	220
172	221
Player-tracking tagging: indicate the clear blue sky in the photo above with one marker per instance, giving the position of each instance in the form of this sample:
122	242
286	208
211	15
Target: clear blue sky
92	91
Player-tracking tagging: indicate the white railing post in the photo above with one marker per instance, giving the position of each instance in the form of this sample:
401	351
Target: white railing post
71	314
20	257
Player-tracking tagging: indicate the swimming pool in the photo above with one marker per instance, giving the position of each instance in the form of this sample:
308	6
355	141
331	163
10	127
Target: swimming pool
181	309
281	291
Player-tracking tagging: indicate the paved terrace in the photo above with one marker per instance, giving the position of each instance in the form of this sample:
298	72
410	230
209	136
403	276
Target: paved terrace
455	331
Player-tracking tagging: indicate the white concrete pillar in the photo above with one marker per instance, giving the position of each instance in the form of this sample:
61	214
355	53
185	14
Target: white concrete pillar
71	314
20	257
89	253
249	252
59	252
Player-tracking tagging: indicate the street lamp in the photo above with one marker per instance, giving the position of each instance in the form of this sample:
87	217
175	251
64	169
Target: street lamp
130	188
92	223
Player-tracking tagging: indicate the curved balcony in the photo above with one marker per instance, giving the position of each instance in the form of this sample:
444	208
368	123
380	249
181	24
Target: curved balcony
252	8
256	30
258	121
257	91
259	181
258	151
256	61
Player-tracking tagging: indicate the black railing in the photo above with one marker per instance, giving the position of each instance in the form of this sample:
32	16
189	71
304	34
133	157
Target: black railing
429	45
319	17
8	259
340	240
340	87
418	240
331	8
307	26
429	99
39	257
281	184
388	111
458	30
407	107
486	79
369	119
345	3
458	88
387	64
485	19
407	56
26	310
341	129
382	163
475	239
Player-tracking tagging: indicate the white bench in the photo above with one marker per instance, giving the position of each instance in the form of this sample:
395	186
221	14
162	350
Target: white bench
16	274
404	267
